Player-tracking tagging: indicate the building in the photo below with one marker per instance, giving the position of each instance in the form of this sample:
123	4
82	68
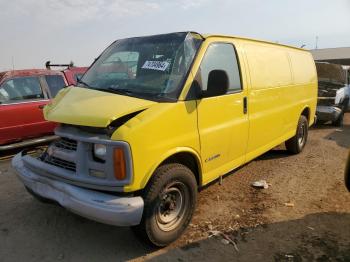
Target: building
340	55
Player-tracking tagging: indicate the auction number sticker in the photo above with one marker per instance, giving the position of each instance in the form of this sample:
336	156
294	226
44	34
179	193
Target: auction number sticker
156	65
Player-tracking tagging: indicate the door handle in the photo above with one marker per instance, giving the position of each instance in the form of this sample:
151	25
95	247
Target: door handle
41	106
245	105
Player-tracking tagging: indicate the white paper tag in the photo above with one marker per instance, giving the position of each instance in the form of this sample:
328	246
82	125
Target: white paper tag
156	65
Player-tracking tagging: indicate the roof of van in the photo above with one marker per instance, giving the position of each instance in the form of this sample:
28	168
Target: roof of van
251	39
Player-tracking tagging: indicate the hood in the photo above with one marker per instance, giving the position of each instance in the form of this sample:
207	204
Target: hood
87	107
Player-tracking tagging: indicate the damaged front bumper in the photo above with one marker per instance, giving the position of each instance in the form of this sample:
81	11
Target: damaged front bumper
328	113
95	205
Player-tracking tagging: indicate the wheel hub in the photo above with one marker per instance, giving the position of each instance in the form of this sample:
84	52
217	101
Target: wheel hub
301	135
171	207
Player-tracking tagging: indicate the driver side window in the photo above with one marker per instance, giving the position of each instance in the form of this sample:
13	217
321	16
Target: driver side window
221	56
22	88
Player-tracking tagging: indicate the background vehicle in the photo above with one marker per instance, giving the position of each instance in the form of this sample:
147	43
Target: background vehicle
71	73
178	111
23	95
333	93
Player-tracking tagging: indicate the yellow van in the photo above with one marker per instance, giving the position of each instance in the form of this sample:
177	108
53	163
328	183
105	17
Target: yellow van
157	117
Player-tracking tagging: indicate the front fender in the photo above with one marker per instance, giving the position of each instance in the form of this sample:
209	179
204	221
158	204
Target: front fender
167	155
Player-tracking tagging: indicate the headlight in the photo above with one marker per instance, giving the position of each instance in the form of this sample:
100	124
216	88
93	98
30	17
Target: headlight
100	151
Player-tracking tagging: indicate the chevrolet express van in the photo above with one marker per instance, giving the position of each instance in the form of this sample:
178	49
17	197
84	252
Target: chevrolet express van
155	118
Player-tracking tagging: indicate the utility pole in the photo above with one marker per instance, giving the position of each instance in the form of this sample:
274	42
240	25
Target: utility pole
316	46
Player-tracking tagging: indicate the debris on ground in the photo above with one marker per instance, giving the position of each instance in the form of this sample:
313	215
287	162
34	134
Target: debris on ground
213	233
231	241
225	241
225	237
260	184
289	204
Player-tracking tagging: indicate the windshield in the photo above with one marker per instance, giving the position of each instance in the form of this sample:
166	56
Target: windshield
153	67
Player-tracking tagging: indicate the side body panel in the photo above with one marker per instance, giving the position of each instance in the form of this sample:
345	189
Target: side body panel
283	84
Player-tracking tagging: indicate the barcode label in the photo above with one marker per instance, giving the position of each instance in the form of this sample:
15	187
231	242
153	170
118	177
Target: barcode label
156	65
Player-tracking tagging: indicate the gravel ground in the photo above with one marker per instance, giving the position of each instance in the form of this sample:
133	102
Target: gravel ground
304	215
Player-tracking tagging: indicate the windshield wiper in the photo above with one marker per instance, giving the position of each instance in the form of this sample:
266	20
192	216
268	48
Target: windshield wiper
84	83
133	93
121	90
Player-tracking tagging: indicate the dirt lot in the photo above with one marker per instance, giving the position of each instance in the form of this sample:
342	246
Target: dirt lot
303	216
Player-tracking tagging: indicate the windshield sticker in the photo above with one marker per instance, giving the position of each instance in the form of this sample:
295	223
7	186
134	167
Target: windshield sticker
156	65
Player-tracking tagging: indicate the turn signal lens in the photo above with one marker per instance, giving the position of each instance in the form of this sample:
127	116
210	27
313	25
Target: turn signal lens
119	164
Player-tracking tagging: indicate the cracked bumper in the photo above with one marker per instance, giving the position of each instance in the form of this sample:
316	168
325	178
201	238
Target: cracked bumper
101	207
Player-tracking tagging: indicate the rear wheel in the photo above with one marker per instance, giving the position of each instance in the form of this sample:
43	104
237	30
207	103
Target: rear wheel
296	144
170	199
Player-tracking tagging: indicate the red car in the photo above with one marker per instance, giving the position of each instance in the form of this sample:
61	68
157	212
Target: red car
23	94
71	73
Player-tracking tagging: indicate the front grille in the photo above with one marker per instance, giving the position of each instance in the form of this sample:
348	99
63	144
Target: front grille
60	163
66	143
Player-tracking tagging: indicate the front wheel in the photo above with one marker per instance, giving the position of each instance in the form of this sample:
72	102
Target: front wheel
170	200
296	144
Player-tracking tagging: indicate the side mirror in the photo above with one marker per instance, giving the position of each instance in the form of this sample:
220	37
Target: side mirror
218	83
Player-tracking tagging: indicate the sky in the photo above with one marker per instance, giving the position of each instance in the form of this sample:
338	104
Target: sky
35	31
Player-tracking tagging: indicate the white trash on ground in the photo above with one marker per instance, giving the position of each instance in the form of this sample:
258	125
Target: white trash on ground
260	184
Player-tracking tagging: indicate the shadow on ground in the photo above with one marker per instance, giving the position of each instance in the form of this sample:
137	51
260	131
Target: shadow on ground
340	136
57	234
274	154
316	237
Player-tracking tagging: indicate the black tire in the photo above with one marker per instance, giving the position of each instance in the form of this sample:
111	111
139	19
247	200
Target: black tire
172	192
296	144
340	121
